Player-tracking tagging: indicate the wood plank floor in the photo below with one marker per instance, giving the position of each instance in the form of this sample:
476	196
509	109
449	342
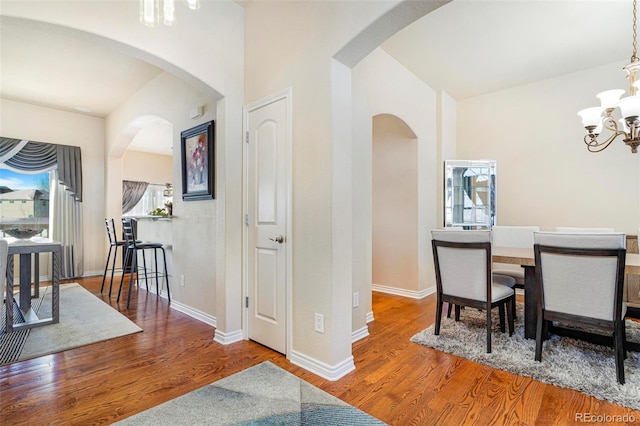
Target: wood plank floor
397	381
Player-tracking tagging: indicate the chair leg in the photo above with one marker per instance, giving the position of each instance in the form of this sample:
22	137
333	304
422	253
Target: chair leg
144	266
619	346
134	267
538	355
113	268
127	259
501	308
488	330
436	328
106	268
449	307
155	257
457	315
166	274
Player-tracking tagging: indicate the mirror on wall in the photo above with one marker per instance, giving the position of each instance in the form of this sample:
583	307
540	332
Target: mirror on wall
470	194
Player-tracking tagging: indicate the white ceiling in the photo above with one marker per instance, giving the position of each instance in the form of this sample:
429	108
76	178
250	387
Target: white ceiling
471	47
467	47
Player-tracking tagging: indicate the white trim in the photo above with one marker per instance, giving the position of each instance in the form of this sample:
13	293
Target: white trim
402	292
329	372
100	273
194	313
360	334
370	317
287	95
228	338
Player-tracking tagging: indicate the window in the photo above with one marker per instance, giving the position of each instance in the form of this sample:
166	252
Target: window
152	199
28	200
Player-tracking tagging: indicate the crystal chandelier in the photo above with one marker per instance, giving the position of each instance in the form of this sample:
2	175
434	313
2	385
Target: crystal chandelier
150	11
596	118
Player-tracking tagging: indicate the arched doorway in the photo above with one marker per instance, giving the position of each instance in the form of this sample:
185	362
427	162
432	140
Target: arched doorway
394	204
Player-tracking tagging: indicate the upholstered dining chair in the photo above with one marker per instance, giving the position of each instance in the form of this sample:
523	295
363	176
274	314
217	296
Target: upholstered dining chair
463	277
580	278
578	230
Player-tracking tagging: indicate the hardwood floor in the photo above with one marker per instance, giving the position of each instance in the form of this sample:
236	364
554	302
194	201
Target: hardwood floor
395	380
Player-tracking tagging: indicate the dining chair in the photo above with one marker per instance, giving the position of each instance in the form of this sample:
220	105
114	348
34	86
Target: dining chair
579	230
580	278
464	278
132	247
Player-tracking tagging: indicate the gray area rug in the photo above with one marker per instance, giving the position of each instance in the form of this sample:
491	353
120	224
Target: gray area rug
566	362
84	319
264	394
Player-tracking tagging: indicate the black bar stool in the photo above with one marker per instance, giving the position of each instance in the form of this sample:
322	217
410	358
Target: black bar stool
114	243
131	256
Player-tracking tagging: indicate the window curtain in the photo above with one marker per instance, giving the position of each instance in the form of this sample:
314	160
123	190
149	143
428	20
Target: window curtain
65	208
132	192
65	217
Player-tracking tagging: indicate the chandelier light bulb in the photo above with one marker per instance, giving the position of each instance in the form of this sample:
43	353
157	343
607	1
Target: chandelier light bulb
169	13
149	13
629	107
193	4
610	98
591	116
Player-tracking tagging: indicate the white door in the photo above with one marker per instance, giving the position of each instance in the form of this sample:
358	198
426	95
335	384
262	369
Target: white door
268	130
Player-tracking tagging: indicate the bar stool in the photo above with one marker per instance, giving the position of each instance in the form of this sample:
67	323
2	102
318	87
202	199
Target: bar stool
131	255
114	243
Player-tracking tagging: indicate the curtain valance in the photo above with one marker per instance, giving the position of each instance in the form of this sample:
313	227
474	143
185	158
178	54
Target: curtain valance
41	156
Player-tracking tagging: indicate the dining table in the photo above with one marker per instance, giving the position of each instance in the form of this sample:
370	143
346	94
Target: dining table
29	250
525	258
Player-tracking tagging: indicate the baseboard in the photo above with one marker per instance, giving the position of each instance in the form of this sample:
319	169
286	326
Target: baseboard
370	317
329	372
359	334
228	338
402	292
194	313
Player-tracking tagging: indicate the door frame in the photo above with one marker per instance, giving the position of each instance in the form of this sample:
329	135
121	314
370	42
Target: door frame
287	95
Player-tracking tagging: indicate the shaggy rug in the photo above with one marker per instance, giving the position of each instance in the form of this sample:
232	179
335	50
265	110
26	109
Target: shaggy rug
84	319
264	394
566	362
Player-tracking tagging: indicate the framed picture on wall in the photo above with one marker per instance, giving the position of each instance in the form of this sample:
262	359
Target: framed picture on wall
198	162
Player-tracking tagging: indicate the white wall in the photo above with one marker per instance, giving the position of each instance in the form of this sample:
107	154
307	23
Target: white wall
195	236
395	204
545	175
291	44
25	121
206	49
147	167
389	88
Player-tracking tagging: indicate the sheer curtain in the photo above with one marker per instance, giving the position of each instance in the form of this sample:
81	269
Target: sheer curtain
65	217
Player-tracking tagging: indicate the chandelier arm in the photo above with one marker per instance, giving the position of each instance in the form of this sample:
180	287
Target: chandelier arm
593	145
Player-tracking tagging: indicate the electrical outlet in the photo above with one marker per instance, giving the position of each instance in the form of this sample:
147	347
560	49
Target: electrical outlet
182	280
319	323
356	299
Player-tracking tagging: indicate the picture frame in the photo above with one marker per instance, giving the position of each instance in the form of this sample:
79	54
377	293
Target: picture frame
198	162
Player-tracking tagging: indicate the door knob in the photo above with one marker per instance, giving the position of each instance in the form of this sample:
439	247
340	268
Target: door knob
279	239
